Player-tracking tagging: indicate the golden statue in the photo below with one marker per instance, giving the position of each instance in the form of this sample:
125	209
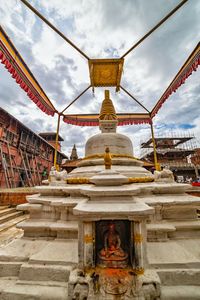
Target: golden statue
107	158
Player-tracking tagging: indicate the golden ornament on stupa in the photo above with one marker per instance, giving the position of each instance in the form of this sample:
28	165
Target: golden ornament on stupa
107	109
107	159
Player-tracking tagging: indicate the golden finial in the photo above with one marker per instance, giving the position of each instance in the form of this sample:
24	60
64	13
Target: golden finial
107	109
107	158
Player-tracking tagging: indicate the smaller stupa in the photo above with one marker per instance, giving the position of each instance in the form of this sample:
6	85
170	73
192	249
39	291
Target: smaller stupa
121	148
74	154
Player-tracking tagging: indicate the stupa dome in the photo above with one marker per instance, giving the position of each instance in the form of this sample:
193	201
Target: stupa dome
121	148
118	144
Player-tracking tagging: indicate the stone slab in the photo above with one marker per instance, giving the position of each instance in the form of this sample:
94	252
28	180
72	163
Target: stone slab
35	224
194	225
10	290
174	277
21	249
161	227
30	207
166	200
58	252
67	202
11	223
103	191
66	226
171	255
191	245
92	208
46	200
43	272
9	268
9	234
180	292
64	190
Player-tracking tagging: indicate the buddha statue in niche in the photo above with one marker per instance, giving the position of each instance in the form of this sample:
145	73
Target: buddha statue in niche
112	245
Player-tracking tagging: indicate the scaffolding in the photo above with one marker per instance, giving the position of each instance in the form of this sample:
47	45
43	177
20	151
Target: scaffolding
23	154
181	141
176	149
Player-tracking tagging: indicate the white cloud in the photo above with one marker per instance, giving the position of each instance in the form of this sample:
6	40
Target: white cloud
103	29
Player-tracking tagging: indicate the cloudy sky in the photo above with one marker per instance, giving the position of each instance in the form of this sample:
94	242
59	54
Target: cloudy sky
104	29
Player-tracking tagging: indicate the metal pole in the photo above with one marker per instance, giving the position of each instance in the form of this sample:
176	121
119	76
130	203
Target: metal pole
56	145
75	100
53	27
130	95
157	166
155	27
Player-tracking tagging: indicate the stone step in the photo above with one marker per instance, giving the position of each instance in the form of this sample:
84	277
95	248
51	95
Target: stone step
174	277
30	207
64	201
42	272
8	235
60	229
159	232
57	252
67	229
3	207
7	211
186	229
10	289
181	230
181	292
174	254
12	222
181	225
9	268
163	227
41	283
10	216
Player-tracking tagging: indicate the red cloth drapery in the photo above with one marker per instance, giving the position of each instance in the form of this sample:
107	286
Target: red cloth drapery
188	68
15	65
79	120
22	80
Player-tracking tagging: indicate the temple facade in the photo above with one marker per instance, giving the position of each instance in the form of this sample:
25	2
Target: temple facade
25	157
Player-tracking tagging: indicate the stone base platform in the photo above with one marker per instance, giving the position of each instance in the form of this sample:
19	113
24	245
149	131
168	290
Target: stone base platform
11	290
33	269
174	254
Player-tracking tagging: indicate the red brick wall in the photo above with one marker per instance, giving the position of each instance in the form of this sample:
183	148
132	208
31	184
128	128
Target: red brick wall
7	198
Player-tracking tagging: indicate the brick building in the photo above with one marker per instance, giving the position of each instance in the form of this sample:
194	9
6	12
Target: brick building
25	157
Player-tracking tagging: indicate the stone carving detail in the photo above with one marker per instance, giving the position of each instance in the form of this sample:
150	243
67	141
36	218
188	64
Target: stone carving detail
78	286
55	175
109	283
80	291
166	175
148	286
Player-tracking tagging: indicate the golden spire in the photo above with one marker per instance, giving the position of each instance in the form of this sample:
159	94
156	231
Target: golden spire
107	109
